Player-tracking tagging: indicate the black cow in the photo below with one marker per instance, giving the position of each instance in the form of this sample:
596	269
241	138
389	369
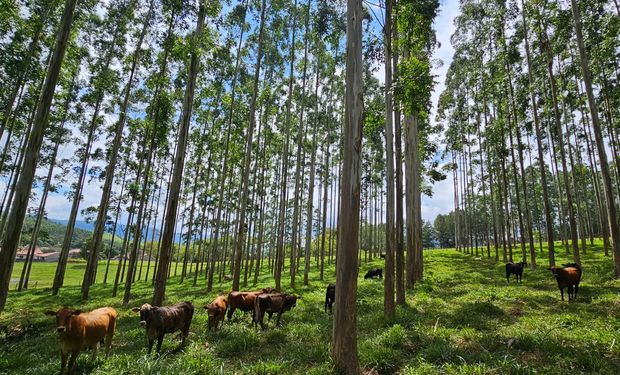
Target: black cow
515	268
330	296
382	256
374	272
161	320
277	303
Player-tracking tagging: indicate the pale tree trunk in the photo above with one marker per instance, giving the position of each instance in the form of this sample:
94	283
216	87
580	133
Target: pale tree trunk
310	203
17	214
299	156
280	248
241	225
102	213
598	137
344	344
179	160
388	290
558	127
541	161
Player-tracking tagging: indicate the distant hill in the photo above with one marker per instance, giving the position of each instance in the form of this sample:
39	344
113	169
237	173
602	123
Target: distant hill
52	233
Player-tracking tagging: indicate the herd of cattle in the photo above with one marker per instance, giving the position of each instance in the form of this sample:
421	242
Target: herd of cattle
78	330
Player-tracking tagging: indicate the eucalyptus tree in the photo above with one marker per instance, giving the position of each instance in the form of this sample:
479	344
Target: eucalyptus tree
602	153
16	216
344	344
113	155
244	194
198	41
103	80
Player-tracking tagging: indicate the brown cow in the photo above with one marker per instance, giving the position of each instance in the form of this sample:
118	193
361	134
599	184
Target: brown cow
161	320
217	311
568	277
244	301
78	330
272	303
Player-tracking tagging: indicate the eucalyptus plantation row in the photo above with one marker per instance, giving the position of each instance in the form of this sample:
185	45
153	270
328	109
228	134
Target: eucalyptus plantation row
215	134
530	113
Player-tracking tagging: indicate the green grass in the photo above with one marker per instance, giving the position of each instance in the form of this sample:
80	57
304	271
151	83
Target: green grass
464	318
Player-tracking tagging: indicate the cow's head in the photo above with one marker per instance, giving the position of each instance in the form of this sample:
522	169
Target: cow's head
214	311
146	311
290	301
268	290
63	318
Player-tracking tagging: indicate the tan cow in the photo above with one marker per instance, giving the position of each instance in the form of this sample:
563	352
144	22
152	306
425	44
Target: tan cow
217	311
78	330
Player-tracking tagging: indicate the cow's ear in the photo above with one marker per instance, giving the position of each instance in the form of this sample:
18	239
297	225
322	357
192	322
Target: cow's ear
135	309
77	312
50	313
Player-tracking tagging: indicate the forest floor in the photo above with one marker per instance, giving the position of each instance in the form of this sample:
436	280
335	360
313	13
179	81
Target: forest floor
464	318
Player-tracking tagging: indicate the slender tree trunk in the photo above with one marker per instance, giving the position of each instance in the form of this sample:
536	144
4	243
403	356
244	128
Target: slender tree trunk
242	225
102	213
344	344
17	214
179	160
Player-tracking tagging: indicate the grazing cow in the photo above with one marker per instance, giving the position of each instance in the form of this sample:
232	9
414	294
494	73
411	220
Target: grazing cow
330	296
78	330
374	272
568	277
244	301
270	304
161	320
382	256
217	311
516	269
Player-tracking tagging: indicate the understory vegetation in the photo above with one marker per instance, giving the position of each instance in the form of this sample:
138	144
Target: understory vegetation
463	318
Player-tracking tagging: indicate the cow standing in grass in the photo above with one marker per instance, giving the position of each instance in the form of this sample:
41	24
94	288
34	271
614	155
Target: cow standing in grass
161	320
244	301
330	296
78	330
568	277
374	272
275	303
217	311
516	269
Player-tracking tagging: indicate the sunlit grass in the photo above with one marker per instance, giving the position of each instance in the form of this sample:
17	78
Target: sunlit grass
464	318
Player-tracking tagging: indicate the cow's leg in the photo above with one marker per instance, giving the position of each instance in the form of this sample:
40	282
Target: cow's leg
160	340
151	341
507	276
270	315
562	293
95	350
108	344
570	293
63	360
278	319
576	290
230	312
72	360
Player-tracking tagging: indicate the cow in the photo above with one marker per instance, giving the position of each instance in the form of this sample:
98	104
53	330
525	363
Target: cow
382	256
161	320
516	269
78	330
273	303
244	301
217	311
374	272
568	277
330	296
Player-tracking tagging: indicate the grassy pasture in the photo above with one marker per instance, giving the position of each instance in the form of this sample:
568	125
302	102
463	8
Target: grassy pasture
464	318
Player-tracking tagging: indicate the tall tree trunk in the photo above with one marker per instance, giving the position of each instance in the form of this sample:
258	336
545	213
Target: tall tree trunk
344	345
179	160
91	266
598	137
280	248
17	214
241	223
388	290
